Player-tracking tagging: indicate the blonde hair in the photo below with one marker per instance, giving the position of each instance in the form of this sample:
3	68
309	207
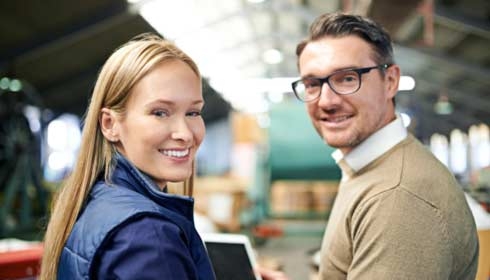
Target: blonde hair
124	68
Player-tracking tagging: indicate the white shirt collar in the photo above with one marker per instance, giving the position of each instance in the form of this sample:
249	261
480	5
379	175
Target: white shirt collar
374	146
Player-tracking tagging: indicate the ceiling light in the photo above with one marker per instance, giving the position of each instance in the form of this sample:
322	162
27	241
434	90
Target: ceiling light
406	83
15	85
439	146
4	83
458	150
406	120
443	106
276	97
272	56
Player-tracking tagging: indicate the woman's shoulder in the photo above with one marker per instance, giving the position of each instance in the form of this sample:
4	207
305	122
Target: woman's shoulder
145	228
144	242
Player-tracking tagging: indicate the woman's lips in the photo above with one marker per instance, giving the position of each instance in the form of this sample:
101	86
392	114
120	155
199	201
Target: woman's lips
178	153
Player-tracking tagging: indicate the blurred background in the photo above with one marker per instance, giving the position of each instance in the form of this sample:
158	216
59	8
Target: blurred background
262	170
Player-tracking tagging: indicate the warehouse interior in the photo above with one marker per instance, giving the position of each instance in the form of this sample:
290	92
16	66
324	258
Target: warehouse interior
52	51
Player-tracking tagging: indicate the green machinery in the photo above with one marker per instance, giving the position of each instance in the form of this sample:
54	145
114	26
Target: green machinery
23	200
295	149
294	152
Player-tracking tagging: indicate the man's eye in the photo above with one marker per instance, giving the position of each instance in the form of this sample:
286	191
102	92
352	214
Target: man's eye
350	78
309	83
347	77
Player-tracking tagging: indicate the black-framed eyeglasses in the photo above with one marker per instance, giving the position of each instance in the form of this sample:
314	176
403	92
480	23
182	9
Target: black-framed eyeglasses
341	82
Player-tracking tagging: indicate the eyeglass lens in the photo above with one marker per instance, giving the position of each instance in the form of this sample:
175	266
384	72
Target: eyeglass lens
343	82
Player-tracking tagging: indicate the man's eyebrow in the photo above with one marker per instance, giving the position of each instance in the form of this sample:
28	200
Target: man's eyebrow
332	72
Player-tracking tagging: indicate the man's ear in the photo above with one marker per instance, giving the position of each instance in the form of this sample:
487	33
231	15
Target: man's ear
392	76
108	125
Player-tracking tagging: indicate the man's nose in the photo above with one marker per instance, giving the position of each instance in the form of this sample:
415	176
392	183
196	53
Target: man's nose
328	97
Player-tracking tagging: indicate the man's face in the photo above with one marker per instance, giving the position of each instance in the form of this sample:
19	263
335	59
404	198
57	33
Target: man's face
344	121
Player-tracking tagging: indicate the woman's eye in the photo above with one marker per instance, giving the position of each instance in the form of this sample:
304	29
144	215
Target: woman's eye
160	113
194	114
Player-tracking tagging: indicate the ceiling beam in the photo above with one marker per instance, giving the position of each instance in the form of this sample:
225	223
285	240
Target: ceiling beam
66	41
105	17
444	61
392	13
450	18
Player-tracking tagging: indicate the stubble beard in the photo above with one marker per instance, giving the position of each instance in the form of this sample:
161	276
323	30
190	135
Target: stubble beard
351	142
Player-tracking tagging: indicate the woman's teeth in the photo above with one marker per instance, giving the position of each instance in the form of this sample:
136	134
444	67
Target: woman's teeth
174	153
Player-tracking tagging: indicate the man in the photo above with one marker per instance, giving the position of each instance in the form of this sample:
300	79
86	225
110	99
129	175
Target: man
399	213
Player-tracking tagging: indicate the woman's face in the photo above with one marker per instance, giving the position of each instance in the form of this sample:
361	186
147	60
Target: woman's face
163	127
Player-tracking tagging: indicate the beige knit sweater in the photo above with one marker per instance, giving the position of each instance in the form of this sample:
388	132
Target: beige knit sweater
403	216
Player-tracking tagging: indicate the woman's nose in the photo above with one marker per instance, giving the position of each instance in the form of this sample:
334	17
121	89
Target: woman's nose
182	131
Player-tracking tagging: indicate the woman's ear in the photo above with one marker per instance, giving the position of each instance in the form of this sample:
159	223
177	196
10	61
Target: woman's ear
108	125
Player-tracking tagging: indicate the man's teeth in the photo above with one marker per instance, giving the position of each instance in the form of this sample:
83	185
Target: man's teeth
173	153
339	119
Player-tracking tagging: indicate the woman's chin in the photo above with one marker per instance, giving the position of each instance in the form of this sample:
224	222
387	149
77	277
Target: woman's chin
180	177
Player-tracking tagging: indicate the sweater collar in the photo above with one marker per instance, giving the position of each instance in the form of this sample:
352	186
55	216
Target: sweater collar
370	149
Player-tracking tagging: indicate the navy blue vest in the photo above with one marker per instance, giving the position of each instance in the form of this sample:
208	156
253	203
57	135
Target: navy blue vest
110	207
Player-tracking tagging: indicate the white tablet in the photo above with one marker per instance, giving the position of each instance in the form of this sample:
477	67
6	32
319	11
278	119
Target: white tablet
231	256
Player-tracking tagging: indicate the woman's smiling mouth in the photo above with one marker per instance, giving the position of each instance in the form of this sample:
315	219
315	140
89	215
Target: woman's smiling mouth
177	153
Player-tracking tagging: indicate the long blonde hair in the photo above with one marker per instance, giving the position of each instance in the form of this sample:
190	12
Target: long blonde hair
124	68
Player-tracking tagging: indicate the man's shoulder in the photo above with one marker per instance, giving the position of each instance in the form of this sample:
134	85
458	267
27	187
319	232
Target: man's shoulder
423	174
410	167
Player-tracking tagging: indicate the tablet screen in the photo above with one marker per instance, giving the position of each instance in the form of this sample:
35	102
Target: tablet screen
230	261
231	256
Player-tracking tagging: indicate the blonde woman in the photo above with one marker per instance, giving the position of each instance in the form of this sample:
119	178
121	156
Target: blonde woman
113	219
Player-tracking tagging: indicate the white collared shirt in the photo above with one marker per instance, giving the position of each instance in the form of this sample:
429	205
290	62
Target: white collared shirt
373	147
